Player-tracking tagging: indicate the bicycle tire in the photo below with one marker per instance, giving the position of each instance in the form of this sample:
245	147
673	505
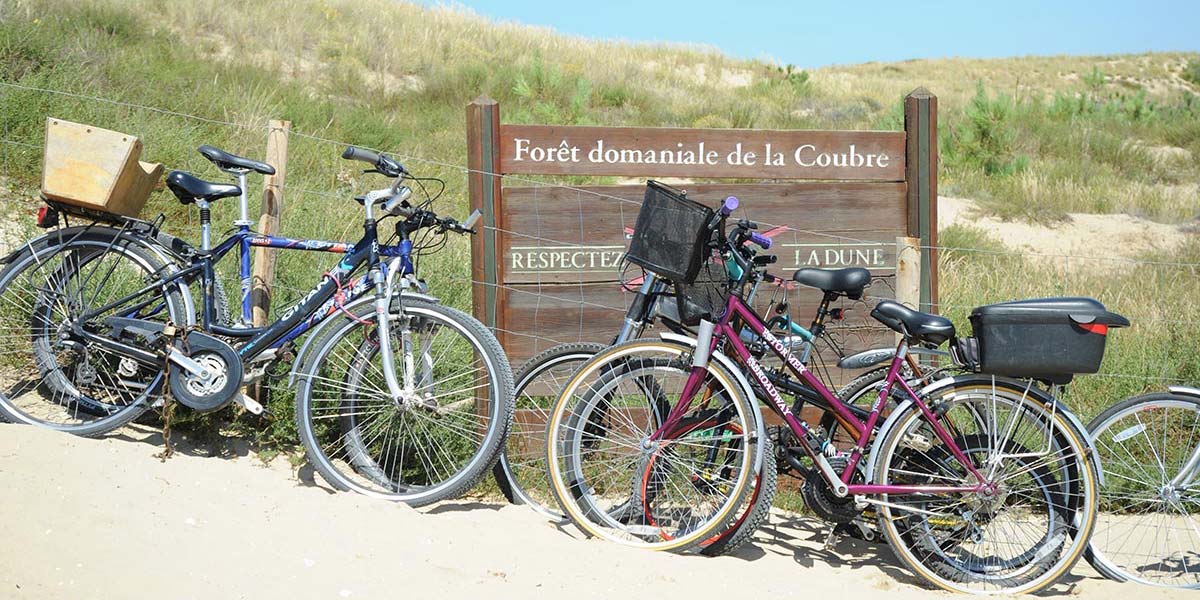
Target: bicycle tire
1120	488
88	245
1071	516
499	402
574	494
515	478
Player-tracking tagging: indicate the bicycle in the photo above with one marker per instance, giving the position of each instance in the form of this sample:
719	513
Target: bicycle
1148	450
114	324
953	465
520	472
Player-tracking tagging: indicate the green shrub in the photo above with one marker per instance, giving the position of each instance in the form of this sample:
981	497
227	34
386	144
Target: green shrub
985	137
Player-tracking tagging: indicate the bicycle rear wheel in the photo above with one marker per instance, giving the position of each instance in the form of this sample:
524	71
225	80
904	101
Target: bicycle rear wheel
615	481
49	377
1148	529
1018	537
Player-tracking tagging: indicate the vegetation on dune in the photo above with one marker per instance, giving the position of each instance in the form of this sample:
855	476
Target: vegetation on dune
1030	138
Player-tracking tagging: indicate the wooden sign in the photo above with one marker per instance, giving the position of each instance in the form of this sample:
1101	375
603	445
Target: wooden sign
561	256
674	152
548	264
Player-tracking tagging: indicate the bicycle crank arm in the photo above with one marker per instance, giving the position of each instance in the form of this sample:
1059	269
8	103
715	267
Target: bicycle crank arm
189	365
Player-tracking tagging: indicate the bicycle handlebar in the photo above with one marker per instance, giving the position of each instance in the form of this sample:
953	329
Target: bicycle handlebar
730	205
382	162
360	154
763	241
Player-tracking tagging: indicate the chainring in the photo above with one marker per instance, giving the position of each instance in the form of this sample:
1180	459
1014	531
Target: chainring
221	389
820	498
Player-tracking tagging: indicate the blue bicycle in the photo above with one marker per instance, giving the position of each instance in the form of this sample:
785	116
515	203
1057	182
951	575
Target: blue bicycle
397	395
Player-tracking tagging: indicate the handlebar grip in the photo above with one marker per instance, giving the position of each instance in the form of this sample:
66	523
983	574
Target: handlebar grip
473	219
763	241
730	205
356	153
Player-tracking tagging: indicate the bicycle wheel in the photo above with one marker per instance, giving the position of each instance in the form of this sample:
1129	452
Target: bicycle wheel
757	508
1019	537
1147	530
433	446
48	376
672	492
521	470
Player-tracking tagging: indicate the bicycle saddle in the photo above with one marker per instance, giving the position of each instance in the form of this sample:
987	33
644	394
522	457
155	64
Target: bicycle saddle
849	281
189	188
227	161
918	326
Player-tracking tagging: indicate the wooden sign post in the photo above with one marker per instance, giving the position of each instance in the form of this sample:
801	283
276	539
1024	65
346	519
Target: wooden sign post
547	266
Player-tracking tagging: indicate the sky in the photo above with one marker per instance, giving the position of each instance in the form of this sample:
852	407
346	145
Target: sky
814	34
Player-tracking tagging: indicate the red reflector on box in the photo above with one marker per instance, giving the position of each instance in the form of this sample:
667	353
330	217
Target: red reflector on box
1098	328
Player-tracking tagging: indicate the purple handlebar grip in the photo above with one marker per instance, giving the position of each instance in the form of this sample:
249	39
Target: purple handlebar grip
763	241
730	205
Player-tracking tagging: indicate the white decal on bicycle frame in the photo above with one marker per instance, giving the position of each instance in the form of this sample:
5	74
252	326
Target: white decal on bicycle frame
766	384
777	346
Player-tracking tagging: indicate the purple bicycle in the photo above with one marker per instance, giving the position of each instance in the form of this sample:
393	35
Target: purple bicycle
980	483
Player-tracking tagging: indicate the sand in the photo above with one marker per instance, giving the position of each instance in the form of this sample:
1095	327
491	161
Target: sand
107	519
1122	235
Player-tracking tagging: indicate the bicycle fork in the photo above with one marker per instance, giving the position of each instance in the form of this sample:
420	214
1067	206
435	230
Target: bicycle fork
406	392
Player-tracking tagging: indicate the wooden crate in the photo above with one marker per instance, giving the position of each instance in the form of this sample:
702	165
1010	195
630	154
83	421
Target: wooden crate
96	168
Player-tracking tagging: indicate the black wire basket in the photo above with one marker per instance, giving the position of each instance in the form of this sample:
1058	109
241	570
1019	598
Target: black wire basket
706	296
671	236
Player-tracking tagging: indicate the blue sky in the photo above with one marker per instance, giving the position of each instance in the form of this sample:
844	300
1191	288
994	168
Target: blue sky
812	34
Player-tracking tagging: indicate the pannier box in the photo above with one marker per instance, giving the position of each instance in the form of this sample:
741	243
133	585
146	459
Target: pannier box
96	169
1049	339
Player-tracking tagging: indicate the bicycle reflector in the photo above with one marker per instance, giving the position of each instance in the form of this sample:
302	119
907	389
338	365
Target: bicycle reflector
47	217
837	314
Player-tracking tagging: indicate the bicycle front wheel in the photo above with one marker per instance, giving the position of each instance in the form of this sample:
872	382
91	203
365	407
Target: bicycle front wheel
1148	529
622	471
432	446
1018	534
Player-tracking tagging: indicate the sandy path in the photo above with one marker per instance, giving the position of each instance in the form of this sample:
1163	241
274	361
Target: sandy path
106	519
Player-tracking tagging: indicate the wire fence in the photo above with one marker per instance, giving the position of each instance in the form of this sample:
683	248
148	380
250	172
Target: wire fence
1158	292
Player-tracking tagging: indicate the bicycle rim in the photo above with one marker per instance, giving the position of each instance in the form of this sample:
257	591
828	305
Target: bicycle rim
73	386
1148	529
1017	539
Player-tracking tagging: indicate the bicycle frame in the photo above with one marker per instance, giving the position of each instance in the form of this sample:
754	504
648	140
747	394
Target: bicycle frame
315	307
711	335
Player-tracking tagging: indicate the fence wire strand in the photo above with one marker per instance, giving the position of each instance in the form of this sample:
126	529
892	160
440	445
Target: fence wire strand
1062	273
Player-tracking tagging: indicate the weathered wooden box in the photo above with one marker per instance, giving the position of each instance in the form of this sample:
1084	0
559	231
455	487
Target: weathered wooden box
96	169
